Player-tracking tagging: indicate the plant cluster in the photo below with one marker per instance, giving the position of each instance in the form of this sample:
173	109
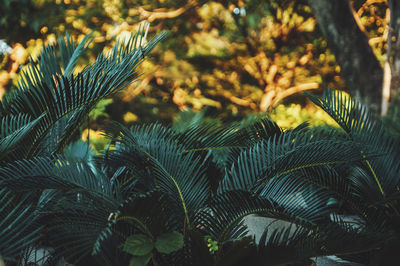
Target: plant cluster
236	57
179	196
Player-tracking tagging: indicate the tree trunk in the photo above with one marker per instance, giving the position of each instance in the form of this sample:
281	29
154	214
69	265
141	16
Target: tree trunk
394	52
387	71
360	68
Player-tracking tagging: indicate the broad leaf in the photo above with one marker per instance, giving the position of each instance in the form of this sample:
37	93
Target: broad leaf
169	242
138	245
140	260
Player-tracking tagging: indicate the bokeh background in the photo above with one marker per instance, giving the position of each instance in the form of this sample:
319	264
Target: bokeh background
230	59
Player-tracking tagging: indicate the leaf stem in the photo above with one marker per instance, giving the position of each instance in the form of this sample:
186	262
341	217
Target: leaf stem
373	173
153	260
183	202
136	220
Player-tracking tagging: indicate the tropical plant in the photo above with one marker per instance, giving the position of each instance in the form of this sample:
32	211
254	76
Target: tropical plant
180	196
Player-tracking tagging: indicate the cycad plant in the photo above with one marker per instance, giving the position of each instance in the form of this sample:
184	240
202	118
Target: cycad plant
180	196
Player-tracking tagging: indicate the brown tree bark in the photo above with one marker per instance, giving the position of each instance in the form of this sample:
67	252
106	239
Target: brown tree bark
360	68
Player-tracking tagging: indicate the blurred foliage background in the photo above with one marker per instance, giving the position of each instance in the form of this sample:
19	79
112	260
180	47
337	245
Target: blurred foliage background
231	58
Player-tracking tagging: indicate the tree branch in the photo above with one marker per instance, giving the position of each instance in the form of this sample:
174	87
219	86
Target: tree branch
294	90
151	16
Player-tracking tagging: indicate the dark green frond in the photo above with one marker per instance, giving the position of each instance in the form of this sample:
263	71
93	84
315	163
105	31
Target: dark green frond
223	218
74	205
14	130
223	143
47	65
295	244
70	53
351	115
74	224
55	173
298	199
18	228
45	91
282	155
368	136
331	179
161	161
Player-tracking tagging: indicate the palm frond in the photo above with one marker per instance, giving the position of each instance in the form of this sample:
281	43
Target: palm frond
383	169
18	228
367	134
69	176
15	129
351	115
74	204
285	154
160	160
47	66
297	197
47	91
226	142
295	244
74	224
70	53
285	245
222	220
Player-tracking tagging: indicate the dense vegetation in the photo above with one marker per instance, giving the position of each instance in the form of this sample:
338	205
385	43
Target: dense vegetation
232	57
178	196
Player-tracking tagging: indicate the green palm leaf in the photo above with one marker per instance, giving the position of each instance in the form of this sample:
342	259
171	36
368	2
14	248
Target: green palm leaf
351	115
222	220
226	142
74	224
159	159
295	245
57	173
70	53
367	134
285	154
46	91
47	66
14	130
298	198
18	228
75	203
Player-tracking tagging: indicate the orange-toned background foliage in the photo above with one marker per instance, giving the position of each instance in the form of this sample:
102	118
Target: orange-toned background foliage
232	57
